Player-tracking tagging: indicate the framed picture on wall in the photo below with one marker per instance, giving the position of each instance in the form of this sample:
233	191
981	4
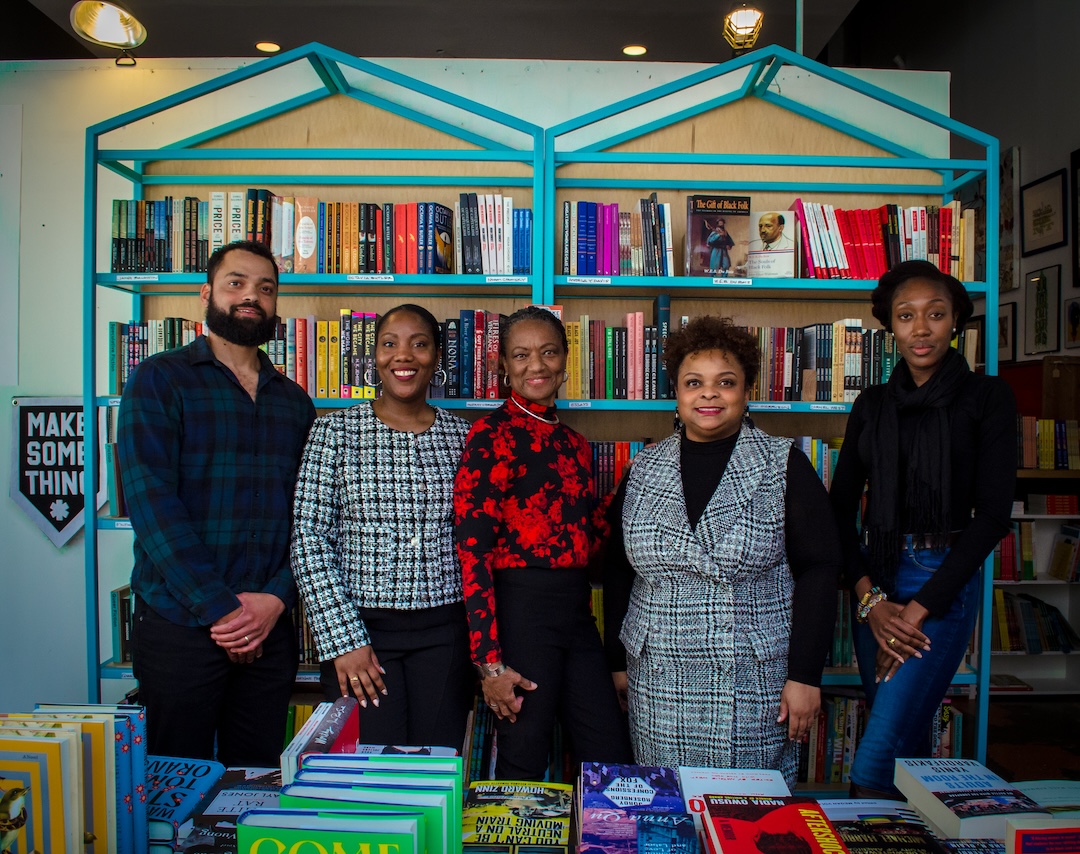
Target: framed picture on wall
971	341
1042	214
1042	306
1008	230
1074	168
1006	339
1072	323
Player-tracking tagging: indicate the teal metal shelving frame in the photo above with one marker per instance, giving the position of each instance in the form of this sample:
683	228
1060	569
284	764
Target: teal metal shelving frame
502	138
497	137
753	76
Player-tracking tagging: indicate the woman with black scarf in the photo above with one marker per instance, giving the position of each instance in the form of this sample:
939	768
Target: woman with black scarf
935	448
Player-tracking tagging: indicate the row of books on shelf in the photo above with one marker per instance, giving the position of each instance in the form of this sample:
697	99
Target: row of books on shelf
599	239
1048	443
334	359
728	237
1026	625
481	233
1019	556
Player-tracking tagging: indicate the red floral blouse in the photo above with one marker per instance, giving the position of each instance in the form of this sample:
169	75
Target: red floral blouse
523	497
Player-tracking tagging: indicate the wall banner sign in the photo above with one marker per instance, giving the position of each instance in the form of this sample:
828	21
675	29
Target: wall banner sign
47	464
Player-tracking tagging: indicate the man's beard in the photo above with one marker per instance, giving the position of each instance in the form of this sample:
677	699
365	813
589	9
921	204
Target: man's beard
242	331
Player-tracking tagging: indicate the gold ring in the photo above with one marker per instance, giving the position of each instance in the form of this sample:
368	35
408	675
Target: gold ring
891	641
247	639
354	678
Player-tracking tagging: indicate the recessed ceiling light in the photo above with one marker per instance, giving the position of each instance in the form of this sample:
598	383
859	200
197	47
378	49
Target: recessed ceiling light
634	50
268	47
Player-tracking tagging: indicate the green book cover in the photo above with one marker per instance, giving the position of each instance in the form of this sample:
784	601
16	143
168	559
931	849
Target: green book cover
328	830
434	806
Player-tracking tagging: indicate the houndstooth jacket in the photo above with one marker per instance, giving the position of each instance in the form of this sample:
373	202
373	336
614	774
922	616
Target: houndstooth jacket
373	522
706	633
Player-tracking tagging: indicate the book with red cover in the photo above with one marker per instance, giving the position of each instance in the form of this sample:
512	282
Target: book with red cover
752	825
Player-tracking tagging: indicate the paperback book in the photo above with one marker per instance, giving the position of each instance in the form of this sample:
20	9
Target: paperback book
961	798
751	825
508	817
614	799
717	235
174	787
329	830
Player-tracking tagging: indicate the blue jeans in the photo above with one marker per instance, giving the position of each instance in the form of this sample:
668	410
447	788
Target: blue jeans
901	710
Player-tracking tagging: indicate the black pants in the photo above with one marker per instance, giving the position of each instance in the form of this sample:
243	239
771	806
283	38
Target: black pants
548	635
429	679
193	693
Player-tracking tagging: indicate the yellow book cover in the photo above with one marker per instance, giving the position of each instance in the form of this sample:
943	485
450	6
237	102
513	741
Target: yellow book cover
522	814
50	831
99	773
322	353
333	359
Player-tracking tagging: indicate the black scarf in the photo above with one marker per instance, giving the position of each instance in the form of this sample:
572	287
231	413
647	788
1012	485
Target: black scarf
926	492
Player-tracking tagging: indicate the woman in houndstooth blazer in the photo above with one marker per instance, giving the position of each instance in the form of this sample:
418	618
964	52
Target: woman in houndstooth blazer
722	574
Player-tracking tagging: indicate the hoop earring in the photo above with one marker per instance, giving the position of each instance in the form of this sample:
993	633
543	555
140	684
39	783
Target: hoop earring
438	379
505	379
565	376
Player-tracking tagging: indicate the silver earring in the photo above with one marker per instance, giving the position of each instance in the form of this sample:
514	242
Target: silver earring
438	379
565	376
506	380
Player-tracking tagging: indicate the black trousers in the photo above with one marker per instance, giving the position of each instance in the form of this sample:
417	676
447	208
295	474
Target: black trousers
548	635
429	679
194	694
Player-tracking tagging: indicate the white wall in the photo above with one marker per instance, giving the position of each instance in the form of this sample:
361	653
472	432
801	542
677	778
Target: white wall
43	602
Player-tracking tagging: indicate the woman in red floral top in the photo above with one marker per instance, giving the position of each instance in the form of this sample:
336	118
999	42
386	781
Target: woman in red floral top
525	516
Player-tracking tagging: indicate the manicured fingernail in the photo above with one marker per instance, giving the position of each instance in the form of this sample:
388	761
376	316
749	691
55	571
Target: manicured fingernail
375	702
918	654
385	692
363	703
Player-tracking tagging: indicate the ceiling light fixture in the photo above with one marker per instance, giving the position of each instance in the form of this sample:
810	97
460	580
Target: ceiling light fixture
268	47
742	27
635	50
107	24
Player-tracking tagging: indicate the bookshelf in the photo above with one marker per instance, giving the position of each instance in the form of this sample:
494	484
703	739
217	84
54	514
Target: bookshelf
764	124
773	126
312	122
1048	672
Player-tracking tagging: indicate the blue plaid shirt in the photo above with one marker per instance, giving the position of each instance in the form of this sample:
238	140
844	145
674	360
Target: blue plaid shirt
208	476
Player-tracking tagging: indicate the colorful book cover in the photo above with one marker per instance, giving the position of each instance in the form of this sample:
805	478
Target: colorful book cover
440	836
750	825
30	794
771	252
99	775
328	830
212	824
521	815
174	787
961	798
717	235
613	797
129	742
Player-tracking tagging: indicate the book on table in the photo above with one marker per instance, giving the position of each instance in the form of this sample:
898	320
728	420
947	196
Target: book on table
961	798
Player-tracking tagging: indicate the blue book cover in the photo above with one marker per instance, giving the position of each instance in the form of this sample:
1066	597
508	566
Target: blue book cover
590	239
174	787
631	788
582	238
466	333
